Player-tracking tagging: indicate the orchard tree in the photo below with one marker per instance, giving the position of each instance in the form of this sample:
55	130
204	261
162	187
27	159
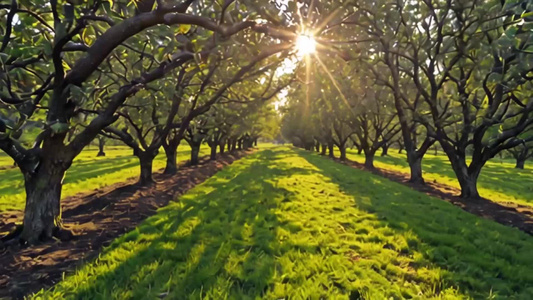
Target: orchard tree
375	123
147	120
472	64
522	153
66	64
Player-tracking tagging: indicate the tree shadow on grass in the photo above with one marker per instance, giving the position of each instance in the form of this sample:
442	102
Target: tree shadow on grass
492	177
218	240
10	178
482	258
82	172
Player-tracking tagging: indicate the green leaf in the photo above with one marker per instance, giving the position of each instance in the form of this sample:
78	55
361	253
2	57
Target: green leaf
184	28
59	127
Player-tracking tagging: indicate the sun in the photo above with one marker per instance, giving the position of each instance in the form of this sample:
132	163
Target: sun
305	44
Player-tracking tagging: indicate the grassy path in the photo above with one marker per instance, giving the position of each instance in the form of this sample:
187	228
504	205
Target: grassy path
284	223
499	180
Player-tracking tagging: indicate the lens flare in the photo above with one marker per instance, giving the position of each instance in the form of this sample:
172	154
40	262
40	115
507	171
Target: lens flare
305	45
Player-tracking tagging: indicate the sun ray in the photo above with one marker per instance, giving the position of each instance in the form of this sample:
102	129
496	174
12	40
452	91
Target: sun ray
307	77
326	20
310	13
335	83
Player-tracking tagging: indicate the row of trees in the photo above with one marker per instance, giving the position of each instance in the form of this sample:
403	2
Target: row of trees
149	73
152	73
456	73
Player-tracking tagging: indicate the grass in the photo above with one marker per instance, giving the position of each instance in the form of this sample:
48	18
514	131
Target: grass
5	160
499	180
87	173
288	224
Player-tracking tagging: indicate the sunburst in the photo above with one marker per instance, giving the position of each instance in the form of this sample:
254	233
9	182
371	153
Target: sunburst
308	46
305	44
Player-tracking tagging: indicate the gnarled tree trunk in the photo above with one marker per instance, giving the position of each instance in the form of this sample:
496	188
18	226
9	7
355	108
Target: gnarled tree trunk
415	165
468	183
520	163
520	157
369	159
466	175
195	152
331	152
342	150
171	153
42	215
213	151
146	159
385	150
101	144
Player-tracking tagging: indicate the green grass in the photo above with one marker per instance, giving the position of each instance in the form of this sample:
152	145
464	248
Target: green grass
288	224
87	173
5	161
499	180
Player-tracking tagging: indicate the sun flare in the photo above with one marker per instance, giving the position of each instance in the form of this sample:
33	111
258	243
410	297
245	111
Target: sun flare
305	44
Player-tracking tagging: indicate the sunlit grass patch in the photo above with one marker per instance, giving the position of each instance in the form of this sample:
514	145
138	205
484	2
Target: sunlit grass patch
499	180
289	224
87	173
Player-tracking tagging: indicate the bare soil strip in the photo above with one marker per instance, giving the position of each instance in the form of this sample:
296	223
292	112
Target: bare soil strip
96	219
506	213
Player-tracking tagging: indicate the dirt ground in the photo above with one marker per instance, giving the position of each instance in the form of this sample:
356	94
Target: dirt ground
506	213
96	219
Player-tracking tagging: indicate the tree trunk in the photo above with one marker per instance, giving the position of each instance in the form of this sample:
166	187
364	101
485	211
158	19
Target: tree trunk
213	152
359	150
239	144
234	145
415	164
324	150
42	215
171	153
466	175
146	160
385	150
317	146
521	158
101	144
520	162
222	147
331	149
343	152
247	143
369	159
255	142
195	151
468	184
